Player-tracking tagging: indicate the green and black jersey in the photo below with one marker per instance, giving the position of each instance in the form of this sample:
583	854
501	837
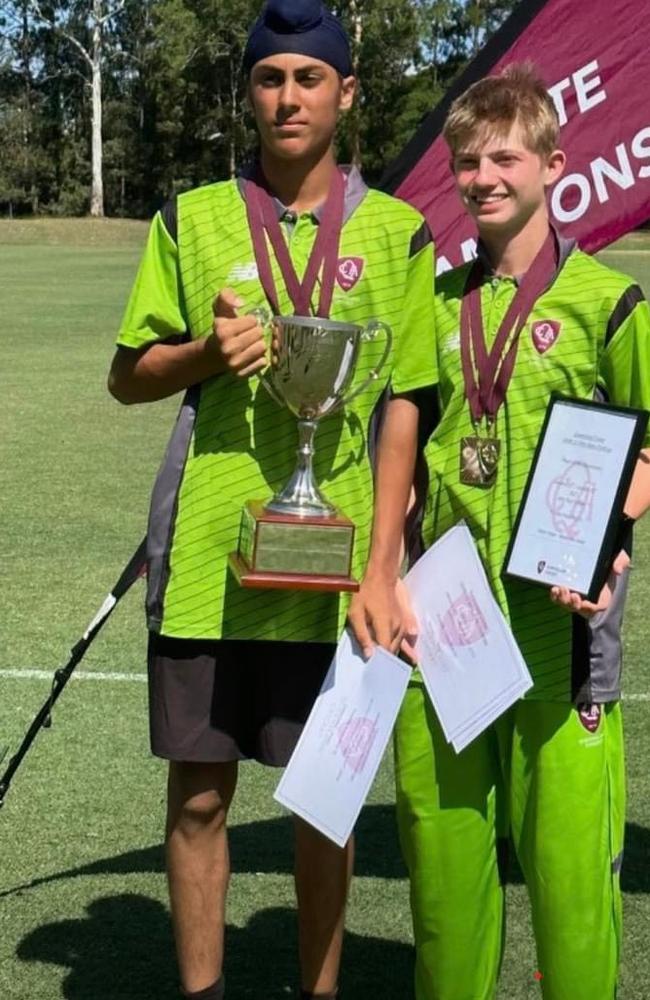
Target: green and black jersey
588	335
232	442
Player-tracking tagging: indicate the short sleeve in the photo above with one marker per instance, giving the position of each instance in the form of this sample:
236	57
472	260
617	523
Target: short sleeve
415	365
155	311
624	371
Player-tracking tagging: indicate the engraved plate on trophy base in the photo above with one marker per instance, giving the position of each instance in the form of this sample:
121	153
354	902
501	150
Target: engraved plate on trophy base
279	551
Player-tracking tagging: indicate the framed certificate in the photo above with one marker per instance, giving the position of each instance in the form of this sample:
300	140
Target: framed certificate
568	524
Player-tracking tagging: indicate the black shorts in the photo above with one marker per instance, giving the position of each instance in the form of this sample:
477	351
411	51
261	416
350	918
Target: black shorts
225	700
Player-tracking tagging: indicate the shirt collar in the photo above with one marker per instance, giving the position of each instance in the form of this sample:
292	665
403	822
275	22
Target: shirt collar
356	190
565	248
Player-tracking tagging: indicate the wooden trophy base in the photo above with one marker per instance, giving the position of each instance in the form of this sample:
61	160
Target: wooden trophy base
282	552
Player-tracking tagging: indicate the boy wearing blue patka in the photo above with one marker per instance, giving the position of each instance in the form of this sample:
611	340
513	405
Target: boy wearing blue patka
234	672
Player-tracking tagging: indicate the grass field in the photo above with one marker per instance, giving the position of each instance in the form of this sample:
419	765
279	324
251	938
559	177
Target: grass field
83	911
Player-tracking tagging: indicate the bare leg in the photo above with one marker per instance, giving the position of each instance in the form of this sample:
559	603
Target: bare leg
323	872
198	866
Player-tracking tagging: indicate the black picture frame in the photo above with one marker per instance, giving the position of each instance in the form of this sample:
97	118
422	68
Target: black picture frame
610	541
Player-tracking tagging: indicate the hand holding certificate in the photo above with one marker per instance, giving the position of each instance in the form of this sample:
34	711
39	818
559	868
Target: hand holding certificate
337	757
472	669
567	530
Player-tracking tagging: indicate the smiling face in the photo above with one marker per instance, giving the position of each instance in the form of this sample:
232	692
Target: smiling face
502	182
296	101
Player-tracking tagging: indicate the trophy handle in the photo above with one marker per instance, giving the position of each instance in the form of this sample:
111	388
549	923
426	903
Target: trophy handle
370	332
264	318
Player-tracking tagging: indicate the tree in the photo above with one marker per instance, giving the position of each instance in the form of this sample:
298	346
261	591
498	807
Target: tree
83	24
386	53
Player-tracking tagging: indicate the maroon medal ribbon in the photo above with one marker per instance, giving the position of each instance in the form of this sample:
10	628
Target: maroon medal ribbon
487	374
263	219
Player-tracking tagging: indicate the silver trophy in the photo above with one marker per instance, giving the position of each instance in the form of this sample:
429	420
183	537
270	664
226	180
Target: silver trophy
315	361
299	539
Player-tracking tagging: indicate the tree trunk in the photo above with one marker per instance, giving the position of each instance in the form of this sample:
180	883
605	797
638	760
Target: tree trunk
476	40
97	189
355	114
234	104
28	118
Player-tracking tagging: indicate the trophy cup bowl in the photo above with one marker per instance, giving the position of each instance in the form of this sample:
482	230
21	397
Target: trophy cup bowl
299	540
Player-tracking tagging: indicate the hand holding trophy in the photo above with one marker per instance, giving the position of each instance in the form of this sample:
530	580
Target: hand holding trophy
299	540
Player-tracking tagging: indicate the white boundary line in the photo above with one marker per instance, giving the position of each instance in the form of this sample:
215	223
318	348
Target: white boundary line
80	675
88	675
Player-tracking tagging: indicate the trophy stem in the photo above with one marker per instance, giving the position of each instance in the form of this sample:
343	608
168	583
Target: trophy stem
301	496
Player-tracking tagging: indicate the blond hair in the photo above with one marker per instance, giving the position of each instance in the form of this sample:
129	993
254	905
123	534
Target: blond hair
493	105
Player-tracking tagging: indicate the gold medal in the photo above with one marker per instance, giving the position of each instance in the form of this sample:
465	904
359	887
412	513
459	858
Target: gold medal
479	461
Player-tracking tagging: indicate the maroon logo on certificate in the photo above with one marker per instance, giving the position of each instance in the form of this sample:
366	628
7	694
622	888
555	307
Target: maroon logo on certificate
589	716
545	332
570	499
349	271
463	624
356	738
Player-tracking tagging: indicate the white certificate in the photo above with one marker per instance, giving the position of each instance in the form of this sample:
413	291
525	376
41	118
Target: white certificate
339	752
471	665
567	523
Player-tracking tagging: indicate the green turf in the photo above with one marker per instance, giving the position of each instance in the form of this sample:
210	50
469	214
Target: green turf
632	256
83	911
47	231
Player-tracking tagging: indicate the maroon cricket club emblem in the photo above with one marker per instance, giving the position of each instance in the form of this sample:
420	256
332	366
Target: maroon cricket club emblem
590	717
545	332
349	271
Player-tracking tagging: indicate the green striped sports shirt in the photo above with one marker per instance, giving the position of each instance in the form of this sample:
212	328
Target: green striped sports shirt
232	442
603	347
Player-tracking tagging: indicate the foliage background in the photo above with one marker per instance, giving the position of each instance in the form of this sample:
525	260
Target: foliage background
173	96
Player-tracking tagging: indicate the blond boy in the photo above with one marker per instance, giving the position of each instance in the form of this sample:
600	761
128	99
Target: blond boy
549	774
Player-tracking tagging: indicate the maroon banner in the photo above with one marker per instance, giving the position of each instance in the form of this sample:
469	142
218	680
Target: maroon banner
594	59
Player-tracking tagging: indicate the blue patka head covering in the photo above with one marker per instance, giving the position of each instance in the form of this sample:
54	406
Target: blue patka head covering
306	27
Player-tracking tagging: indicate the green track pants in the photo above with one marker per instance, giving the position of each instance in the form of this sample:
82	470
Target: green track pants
541	775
